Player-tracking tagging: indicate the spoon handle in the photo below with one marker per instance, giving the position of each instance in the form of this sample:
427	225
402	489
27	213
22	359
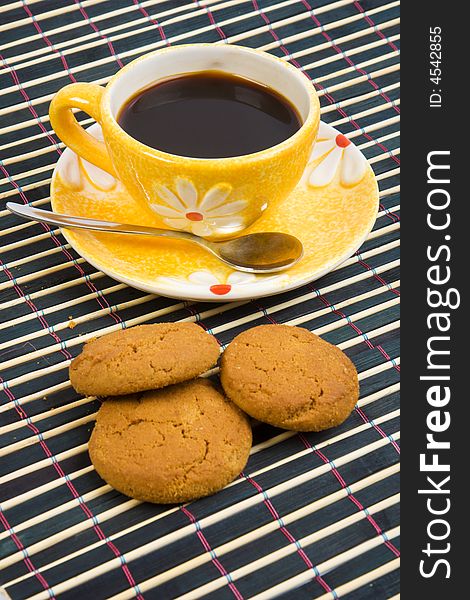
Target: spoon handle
46	216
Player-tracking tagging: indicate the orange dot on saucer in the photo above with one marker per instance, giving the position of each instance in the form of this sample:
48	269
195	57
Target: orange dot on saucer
220	289
194	216
342	141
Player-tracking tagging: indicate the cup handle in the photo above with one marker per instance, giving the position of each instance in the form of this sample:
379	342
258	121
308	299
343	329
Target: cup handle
86	97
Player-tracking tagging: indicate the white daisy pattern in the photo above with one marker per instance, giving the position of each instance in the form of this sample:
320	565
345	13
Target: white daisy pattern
80	174
207	281
215	285
336	152
203	216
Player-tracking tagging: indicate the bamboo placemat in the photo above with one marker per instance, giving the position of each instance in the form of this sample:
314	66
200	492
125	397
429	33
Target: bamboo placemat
313	515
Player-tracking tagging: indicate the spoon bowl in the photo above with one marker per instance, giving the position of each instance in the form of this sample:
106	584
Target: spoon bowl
264	252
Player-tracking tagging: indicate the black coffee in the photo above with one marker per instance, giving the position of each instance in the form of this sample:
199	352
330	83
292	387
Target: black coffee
209	115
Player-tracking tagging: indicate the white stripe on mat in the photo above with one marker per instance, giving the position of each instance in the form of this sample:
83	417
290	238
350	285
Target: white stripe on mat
77	320
246	319
104	489
309	50
46	435
259	532
41	394
17	4
326	90
45	15
347	38
65	364
149	297
58	510
194	32
64	305
357	339
369	335
106	31
46	487
139	49
325	290
47	414
345	102
97	40
38	256
368	112
186	530
373	127
365	579
296	37
259	447
379	140
160	312
125	506
383	231
41	464
146	317
363	402
325	109
325	567
25	188
252	567
389	191
388	174
43	273
32	239
353	68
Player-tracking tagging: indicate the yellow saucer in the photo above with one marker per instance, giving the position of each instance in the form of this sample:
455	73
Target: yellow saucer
332	210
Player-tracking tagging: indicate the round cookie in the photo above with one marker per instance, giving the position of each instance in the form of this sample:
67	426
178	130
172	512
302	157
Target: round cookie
143	358
289	377
170	445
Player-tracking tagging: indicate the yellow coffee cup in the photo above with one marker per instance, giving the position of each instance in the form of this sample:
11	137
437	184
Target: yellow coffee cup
209	197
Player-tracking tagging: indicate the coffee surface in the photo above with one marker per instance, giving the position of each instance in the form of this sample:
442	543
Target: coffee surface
209	115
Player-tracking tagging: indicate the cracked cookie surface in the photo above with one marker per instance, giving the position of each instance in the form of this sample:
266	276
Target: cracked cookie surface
289	377
143	358
170	445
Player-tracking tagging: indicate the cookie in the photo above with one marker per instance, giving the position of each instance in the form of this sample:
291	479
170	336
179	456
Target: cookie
143	358
170	445
289	377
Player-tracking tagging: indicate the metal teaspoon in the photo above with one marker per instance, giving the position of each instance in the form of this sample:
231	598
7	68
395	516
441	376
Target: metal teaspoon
266	252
